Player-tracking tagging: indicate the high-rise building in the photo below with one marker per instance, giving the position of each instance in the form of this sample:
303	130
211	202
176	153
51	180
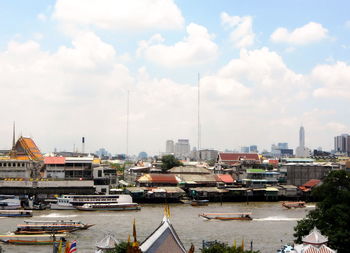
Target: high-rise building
301	150
282	145
342	144
253	149
182	148
169	148
244	149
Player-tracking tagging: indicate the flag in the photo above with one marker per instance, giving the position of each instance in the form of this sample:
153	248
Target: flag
59	247
73	247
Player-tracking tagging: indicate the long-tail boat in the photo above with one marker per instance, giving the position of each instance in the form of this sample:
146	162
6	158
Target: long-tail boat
296	204
226	216
42	227
199	202
16	213
44	239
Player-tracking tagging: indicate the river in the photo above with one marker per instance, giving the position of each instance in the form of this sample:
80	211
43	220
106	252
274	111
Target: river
271	226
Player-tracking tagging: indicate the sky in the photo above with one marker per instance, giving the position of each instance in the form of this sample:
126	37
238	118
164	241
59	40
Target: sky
265	67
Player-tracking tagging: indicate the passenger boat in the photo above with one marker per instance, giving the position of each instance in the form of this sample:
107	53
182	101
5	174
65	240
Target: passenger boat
42	227
69	202
44	239
199	202
297	204
109	207
226	216
16	213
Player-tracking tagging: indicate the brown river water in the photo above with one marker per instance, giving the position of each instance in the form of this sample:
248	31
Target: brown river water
272	225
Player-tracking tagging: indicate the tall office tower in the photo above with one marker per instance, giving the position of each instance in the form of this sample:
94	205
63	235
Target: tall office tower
182	148
342	144
253	149
302	151
169	149
301	137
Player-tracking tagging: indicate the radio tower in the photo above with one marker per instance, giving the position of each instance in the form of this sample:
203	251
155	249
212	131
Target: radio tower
127	127
199	120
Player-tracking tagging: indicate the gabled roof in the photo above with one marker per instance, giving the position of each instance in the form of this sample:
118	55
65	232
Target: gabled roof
158	178
108	242
189	170
238	156
163	240
226	178
199	178
315	238
312	183
312	249
26	149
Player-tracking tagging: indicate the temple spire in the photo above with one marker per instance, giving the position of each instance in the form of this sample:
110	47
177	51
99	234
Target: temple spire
14	135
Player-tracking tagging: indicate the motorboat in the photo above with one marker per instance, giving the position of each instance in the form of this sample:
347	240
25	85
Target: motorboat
52	227
16	213
226	216
296	204
44	239
199	202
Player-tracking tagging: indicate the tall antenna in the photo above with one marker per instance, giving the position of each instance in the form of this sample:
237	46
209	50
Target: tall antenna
14	135
127	126
199	119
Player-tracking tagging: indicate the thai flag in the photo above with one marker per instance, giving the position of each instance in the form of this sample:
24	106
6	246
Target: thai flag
73	247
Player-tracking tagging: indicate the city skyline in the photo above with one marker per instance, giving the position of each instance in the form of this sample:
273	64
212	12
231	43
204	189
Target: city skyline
66	73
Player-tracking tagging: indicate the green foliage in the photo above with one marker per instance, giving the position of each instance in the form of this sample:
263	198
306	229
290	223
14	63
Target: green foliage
332	214
219	247
169	161
120	248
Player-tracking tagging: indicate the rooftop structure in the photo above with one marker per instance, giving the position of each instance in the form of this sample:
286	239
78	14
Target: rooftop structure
26	149
237	158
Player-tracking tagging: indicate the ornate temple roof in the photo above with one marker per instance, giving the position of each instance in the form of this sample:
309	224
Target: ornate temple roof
108	242
26	149
315	238
163	240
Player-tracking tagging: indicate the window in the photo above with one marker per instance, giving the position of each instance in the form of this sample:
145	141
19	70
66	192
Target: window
99	173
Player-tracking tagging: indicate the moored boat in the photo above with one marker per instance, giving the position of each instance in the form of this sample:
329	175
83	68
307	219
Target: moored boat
109	207
45	239
296	204
226	216
40	227
199	202
16	213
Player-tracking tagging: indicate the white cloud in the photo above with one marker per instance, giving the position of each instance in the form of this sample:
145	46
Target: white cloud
198	47
242	35
119	14
334	80
42	17
307	34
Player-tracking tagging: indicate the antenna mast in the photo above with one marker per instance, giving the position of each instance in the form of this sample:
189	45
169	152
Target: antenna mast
127	126
199	122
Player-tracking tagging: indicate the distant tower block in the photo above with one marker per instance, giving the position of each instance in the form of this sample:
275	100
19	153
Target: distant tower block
83	145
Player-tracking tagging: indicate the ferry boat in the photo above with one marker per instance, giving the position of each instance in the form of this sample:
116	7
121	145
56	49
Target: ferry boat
16	213
109	207
297	204
69	202
226	216
42	227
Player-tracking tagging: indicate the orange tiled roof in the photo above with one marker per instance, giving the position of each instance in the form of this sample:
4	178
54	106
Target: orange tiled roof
26	149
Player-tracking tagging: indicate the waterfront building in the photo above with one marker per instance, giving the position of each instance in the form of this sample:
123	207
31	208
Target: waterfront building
24	160
301	150
256	178
105	178
158	180
342	144
299	174
169	147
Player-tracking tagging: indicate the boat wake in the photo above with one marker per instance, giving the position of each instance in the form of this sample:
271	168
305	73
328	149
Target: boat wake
277	218
311	206
57	215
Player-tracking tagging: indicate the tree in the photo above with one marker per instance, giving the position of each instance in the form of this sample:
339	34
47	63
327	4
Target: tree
219	247
120	248
332	214
169	161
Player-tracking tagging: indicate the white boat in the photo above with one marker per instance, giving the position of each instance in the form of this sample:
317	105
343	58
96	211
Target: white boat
9	202
109	207
69	202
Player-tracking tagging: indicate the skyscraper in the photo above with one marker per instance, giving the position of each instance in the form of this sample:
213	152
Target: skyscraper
301	137
169	149
342	144
182	148
301	150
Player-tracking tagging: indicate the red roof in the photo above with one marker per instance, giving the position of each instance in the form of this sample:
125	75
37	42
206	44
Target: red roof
163	178
225	178
238	156
311	183
273	161
55	160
